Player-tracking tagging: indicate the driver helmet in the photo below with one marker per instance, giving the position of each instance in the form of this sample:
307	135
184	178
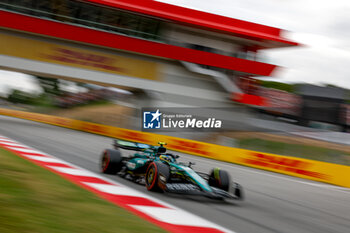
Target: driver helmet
161	150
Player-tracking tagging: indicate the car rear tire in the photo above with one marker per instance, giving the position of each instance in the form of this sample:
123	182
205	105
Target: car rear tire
111	161
157	175
220	179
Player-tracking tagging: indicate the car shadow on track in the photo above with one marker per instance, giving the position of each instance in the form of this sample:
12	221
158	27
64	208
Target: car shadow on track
202	199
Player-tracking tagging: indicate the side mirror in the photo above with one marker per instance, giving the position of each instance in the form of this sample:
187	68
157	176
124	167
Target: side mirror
191	163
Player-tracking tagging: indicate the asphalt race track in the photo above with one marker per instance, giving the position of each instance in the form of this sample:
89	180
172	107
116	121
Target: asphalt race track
274	203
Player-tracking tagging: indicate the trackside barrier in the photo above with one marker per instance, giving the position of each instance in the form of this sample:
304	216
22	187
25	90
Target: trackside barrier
303	168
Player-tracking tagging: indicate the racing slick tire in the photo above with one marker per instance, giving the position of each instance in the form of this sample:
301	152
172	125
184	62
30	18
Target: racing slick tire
111	161
220	179
157	175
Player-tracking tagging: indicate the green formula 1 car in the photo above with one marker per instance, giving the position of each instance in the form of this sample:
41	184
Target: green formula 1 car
160	171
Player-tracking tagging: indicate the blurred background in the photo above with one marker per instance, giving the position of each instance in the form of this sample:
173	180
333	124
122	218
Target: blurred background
103	62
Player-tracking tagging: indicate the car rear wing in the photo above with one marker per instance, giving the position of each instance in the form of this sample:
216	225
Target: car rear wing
127	145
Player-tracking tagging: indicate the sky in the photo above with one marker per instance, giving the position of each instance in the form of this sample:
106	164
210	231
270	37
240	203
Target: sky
10	81
13	80
323	27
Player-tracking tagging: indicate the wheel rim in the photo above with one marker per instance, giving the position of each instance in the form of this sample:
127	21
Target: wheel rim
150	176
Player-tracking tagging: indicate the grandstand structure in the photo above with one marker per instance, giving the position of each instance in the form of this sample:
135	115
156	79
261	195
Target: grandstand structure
167	55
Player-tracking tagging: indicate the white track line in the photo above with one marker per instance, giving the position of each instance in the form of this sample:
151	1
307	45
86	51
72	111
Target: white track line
45	159
172	216
73	171
115	189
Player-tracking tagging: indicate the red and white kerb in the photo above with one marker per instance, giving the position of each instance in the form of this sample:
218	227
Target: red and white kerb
169	217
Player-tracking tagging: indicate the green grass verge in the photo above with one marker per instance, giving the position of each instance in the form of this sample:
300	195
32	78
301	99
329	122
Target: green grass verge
296	150
33	199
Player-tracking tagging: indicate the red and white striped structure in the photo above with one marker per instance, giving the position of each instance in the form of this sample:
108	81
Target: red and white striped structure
169	217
